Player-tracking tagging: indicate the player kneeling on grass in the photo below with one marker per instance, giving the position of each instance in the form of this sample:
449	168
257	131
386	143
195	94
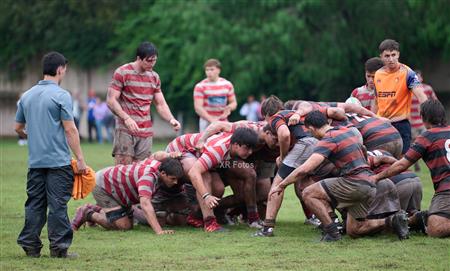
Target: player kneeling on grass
433	146
354	190
119	187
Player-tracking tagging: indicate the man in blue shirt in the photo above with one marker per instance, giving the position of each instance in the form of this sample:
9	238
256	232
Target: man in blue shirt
46	110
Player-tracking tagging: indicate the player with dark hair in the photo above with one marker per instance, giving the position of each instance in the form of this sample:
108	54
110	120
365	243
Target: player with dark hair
353	190
119	187
395	85
249	179
133	88
433	146
296	145
366	94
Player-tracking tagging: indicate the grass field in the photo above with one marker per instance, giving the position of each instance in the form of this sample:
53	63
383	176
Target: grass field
294	247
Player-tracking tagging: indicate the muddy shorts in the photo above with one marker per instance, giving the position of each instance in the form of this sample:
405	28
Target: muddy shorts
440	204
301	151
355	196
410	194
137	147
386	201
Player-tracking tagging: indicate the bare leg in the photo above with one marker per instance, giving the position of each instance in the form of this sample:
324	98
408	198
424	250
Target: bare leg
438	226
317	200
123	223
357	228
120	159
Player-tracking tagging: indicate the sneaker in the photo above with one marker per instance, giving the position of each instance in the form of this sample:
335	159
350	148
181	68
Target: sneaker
399	223
213	226
32	252
62	253
194	222
313	221
267	232
80	218
331	237
257	224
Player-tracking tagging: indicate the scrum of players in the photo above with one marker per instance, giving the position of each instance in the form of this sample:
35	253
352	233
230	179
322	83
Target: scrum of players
341	158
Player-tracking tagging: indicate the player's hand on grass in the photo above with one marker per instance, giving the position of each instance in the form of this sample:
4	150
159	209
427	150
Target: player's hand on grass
175	124
211	201
294	119
81	166
163	232
131	125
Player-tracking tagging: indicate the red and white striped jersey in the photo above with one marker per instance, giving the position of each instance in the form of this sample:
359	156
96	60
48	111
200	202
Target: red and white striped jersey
366	96
137	91
185	143
216	150
215	95
127	183
416	119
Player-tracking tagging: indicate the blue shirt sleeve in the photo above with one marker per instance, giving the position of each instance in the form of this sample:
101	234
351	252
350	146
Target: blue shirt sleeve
66	112
20	116
412	80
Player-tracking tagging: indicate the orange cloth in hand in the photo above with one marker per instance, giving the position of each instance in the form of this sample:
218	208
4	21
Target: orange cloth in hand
83	184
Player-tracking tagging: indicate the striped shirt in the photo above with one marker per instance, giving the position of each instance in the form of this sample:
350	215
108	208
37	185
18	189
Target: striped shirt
342	148
416	119
216	151
297	131
382	167
136	95
433	146
185	144
375	132
127	183
215	95
366	96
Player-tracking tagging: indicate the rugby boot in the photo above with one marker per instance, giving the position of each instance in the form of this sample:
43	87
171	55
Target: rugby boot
211	225
194	222
62	253
331	233
399	224
80	217
264	232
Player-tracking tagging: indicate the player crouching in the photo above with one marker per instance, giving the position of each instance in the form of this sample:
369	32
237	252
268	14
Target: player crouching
119	187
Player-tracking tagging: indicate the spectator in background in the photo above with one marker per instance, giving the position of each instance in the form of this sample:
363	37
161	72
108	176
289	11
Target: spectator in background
100	113
251	109
214	97
261	100
90	116
366	94
417	126
77	109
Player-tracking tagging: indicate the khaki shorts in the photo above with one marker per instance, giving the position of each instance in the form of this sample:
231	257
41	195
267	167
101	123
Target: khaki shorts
355	196
103	199
265	170
137	147
410	194
440	204
393	147
386	200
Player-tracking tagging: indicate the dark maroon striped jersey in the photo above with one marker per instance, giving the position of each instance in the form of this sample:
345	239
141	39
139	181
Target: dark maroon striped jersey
374	131
433	146
342	148
282	118
379	168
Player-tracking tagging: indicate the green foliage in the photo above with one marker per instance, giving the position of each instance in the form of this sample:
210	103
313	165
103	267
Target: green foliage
306	49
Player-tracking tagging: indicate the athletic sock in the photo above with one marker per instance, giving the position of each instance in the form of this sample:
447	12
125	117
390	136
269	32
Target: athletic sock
268	223
252	214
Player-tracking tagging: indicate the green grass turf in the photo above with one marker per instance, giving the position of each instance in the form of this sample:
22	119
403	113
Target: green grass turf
295	245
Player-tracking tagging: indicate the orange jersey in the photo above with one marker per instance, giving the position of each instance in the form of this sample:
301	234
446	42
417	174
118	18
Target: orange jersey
394	92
